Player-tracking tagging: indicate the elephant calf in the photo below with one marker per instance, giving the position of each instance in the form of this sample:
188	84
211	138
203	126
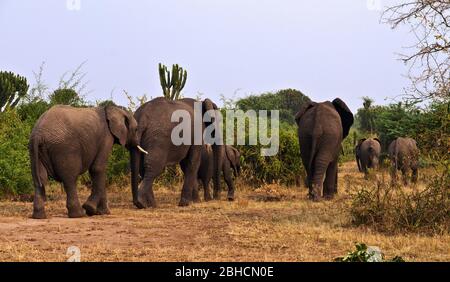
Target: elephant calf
66	142
404	156
321	129
230	160
368	154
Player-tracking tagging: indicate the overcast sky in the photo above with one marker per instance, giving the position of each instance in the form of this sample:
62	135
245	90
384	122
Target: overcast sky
326	48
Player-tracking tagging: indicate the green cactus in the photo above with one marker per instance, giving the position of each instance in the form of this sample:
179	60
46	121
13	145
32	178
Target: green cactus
172	83
12	88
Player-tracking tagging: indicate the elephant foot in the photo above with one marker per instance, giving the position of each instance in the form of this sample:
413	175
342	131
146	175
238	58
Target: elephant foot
76	213
90	208
208	198
230	197
329	197
39	214
102	210
184	202
144	201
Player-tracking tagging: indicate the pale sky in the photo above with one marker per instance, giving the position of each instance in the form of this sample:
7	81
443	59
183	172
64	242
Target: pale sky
326	48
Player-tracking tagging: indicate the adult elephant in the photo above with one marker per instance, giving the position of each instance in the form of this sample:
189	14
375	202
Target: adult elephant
155	131
367	153
404	156
67	141
321	129
231	162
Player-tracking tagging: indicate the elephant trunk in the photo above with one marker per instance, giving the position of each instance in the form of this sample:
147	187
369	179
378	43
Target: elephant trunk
134	165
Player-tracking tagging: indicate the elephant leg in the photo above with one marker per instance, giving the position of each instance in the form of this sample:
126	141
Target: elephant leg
228	180
190	166
154	165
39	196
330	185
97	202
195	193
414	175
405	175
73	204
206	192
319	170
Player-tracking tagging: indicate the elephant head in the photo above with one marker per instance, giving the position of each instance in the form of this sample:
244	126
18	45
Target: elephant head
122	126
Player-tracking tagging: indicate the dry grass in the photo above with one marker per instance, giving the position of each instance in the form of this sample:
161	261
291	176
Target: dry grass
272	223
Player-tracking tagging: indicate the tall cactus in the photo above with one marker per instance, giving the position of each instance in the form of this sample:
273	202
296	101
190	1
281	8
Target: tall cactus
12	88
172	83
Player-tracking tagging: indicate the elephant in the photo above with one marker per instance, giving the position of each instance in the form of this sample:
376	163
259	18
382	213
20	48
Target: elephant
154	132
404	156
368	154
66	142
231	160
321	129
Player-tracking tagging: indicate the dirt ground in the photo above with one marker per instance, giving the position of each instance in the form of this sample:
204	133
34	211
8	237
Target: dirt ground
248	229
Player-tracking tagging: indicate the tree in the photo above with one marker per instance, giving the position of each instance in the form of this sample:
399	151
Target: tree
66	97
429	21
287	101
365	116
12	89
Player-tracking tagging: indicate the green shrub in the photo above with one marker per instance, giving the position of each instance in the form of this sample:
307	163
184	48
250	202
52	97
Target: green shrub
286	167
15	172
363	253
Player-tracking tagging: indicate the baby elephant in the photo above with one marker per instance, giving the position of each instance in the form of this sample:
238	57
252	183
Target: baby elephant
66	142
231	160
404	156
368	154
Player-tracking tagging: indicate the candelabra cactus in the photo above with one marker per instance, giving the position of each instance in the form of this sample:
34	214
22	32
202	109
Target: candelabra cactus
12	88
172	83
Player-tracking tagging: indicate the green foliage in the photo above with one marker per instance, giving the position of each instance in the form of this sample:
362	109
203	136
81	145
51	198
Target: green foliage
172	83
12	88
365	254
284	168
390	209
118	166
287	101
66	96
15	172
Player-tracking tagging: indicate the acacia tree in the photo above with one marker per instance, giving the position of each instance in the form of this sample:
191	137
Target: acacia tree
429	60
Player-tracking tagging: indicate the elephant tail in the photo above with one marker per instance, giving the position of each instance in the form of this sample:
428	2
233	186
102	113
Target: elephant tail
316	133
34	156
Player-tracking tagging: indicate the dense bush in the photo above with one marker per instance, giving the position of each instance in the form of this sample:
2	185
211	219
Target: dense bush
15	173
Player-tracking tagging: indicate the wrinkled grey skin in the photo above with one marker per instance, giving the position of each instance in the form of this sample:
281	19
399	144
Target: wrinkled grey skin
368	154
154	132
321	129
231	160
404	156
66	142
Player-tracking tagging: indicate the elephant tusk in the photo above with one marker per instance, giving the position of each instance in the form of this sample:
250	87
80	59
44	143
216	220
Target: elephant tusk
142	150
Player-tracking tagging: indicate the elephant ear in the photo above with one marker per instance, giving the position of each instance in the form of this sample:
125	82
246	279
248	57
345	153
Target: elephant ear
117	122
360	141
346	115
305	107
